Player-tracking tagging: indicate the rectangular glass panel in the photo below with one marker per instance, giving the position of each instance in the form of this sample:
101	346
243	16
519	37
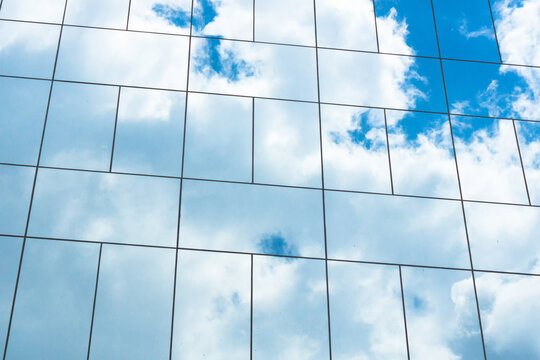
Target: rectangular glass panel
134	303
165	16
488	160
252	218
103	13
285	21
406	27
379	80
509	297
346	24
422	154
232	19
105	207
22	112
53	310
252	69
123	58
290	319
149	132
80	126
31	10
395	229
354	149
442	318
287	143
28	49
465	30
504	237
212	311
15	190
218	138
366	312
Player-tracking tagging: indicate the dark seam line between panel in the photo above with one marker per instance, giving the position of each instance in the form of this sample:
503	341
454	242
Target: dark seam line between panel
404	315
272	43
128	15
322	182
375	23
275	185
388	151
495	31
271	98
114	132
94	304
251	313
275	255
521	162
181	183
34	186
460	188
252	140
253	22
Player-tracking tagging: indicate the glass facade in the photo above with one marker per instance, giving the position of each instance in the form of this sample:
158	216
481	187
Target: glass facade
270	179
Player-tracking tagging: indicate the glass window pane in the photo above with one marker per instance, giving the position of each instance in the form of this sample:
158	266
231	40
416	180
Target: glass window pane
166	16
42	10
232	19
252	218
442	318
366	312
105	207
290	319
406	27
465	30
422	154
510	315
488	160
504	237
253	69
80	125
22	112
379	80
134	303
28	49
53	310
123	58
15	190
212	311
395	229
347	24
149	132
285	21
354	149
10	254
287	143
103	13
218	138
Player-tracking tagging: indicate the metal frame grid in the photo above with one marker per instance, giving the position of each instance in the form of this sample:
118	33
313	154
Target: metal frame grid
471	270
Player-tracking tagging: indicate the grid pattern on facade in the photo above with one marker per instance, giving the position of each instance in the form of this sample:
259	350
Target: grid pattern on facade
256	179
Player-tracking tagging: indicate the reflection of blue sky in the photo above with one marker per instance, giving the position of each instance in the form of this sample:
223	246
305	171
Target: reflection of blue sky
276	244
10	250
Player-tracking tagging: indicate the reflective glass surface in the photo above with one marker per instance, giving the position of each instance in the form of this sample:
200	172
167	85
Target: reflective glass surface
269	179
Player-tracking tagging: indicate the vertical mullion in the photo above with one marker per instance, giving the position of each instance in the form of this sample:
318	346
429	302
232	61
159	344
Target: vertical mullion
181	184
94	304
459	184
322	182
114	132
251	315
404	313
376	27
521	162
34	183
252	140
128	14
495	31
388	150
253	21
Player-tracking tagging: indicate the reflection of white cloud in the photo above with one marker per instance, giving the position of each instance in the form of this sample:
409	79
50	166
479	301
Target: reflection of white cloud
510	315
43	10
484	31
143	16
233	19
